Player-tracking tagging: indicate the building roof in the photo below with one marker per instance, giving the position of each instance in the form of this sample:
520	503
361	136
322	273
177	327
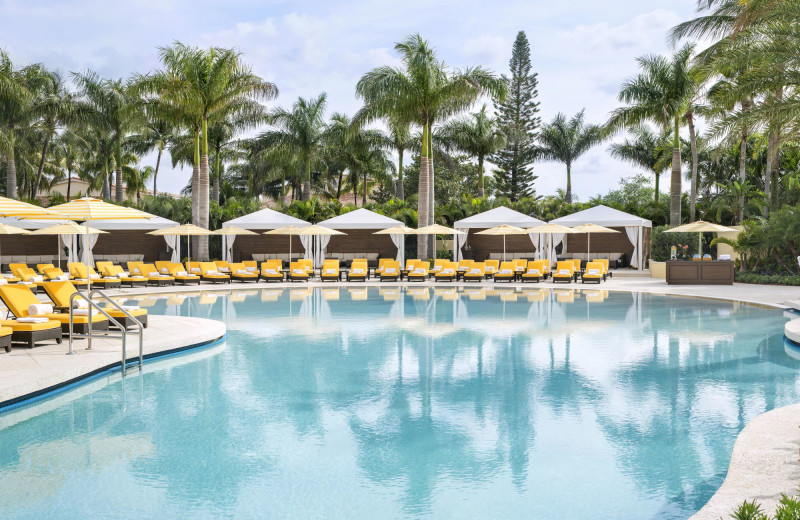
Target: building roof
603	216
497	217
265	219
360	219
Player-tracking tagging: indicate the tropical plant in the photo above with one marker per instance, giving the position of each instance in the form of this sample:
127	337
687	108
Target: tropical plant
647	150
565	140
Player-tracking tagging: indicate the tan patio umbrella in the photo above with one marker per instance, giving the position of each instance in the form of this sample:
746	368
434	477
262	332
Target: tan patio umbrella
187	230
286	230
700	227
313	230
436	229
67	228
503	230
231	231
550	230
589	229
398	230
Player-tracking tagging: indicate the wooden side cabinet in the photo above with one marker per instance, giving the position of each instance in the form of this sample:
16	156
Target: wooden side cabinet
714	272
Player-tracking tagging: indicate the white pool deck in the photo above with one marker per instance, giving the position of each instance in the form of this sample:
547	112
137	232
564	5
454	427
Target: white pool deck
764	462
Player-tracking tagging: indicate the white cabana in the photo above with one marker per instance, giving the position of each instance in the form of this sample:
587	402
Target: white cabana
492	218
123	235
351	223
635	228
263	220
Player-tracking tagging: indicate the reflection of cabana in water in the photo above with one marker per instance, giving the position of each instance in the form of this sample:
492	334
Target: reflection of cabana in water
262	247
360	240
633	241
481	247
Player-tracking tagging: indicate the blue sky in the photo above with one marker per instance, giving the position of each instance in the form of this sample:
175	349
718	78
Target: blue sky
582	49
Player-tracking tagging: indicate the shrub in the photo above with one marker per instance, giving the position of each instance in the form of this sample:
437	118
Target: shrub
767	279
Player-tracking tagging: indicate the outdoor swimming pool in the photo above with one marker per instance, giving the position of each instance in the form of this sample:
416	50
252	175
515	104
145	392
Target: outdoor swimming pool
377	403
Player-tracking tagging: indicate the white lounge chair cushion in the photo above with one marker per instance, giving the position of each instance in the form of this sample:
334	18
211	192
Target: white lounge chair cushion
593	272
534	272
251	269
32	319
298	271
505	271
330	271
475	270
563	272
357	271
390	270
39	309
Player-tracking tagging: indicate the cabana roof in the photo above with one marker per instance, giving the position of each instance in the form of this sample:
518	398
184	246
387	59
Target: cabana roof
144	224
603	216
265	219
360	219
497	217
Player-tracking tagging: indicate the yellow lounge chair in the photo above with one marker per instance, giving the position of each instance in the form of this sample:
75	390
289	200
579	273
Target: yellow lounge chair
271	270
238	271
251	265
593	273
224	267
533	272
448	272
54	274
154	277
124	279
61	292
88	273
606	270
14	268
491	267
506	272
5	338
194	268
520	266
358	271
330	270
298	272
162	266
418	272
210	273
565	272
32	333
476	273
390	271
19	298
308	264
181	275
438	265
42	267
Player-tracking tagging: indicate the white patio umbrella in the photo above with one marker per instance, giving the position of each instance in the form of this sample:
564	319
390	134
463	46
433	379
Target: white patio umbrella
503	230
589	229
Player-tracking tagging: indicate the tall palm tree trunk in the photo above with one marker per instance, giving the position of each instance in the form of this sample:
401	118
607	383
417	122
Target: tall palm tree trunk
69	183
35	185
155	173
400	190
569	183
307	180
339	184
106	182
742	172
364	196
675	180
768	173
423	202
657	190
693	188
480	177
196	191
203	184
11	170
217	176
431	239
118	192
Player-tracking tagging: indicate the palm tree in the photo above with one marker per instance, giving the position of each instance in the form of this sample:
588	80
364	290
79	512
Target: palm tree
18	88
69	150
400	137
298	132
423	91
111	105
155	134
647	150
565	140
207	86
477	136
53	108
663	93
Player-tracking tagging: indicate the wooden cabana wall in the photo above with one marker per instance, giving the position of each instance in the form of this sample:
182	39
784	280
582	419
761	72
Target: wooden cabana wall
131	242
481	246
362	241
245	246
605	243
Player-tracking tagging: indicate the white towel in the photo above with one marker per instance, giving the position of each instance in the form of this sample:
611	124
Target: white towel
505	271
36	279
534	272
357	271
213	272
94	276
135	270
60	278
39	309
130	307
182	273
241	271
164	270
195	269
449	270
298	271
330	271
225	269
83	312
475	271
489	269
270	271
26	283
251	269
124	273
79	303
31	319
3	281
390	270
563	271
419	270
593	272
8	275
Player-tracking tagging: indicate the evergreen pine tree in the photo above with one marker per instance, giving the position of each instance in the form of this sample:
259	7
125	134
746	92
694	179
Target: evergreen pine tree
518	119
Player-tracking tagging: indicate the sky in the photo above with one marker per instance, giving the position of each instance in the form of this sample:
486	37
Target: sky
582	49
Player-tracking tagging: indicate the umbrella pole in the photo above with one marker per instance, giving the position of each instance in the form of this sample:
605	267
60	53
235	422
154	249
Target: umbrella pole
504	248
588	246
86	263
700	243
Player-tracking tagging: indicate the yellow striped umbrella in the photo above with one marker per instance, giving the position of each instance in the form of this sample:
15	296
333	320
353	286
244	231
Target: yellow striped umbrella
17	208
88	208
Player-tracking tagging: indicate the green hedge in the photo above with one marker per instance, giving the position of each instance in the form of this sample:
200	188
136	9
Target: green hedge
769	279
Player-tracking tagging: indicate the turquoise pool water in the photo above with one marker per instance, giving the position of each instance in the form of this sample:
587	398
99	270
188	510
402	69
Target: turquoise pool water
351	404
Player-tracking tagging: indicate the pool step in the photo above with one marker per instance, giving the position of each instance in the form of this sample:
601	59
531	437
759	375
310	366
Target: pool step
794	304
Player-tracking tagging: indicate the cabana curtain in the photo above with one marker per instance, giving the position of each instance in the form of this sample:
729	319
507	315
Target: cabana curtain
400	242
460	241
172	241
306	241
319	254
88	243
69	241
635	237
